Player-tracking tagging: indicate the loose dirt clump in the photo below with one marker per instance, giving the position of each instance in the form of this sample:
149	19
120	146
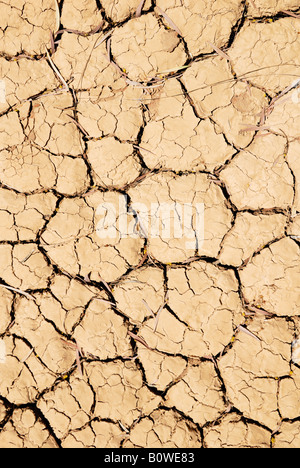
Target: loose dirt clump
149	224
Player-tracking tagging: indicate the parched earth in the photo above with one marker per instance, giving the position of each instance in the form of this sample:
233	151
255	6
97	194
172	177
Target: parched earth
149	223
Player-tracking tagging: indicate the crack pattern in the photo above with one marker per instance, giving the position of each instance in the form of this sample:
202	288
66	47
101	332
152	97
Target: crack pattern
115	332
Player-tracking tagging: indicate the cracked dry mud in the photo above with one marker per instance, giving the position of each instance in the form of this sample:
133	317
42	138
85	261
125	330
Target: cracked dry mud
144	340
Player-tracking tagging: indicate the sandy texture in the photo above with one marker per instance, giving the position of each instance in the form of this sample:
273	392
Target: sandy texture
149	224
84	18
32	20
145	48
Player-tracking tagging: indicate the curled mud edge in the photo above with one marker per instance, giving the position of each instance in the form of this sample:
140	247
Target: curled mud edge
149	224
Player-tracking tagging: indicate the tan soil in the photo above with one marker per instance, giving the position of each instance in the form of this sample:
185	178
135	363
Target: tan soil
84	18
114	334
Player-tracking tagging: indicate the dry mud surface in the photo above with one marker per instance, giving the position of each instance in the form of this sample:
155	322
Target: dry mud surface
143	340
